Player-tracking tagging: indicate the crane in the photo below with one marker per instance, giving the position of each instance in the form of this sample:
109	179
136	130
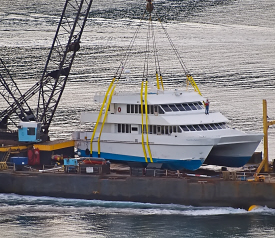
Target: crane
10	92
50	87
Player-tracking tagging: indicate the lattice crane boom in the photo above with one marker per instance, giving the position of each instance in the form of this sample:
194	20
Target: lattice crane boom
65	45
11	93
57	68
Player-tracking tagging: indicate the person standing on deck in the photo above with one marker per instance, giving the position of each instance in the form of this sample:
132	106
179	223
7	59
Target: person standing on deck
207	107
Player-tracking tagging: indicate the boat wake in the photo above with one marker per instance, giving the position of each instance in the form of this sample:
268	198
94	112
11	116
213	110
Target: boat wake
24	204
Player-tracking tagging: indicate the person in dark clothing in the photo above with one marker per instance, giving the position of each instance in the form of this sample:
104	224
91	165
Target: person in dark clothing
207	107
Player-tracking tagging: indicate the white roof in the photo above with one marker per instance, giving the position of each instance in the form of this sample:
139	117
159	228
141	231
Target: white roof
161	97
28	124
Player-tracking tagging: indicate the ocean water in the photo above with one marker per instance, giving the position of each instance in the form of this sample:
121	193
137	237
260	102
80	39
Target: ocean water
27	216
227	45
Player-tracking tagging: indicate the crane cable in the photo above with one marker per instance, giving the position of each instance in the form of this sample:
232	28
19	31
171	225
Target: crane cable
117	78
158	72
187	74
145	74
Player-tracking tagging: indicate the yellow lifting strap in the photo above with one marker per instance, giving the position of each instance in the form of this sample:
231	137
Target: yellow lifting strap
193	83
100	113
157	77
141	110
104	119
146	115
161	82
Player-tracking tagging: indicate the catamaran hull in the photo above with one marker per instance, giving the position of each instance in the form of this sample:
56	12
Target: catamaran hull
175	157
234	152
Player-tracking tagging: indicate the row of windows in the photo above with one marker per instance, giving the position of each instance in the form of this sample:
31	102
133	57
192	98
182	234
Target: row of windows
166	130
182	107
135	108
204	127
161	109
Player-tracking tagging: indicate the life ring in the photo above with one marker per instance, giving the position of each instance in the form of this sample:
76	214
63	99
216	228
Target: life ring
119	109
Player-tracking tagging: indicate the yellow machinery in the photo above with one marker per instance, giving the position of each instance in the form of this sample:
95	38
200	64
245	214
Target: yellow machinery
3	162
264	163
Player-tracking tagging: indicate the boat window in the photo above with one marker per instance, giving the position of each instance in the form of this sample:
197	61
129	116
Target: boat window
213	126
191	128
155	109
136	109
192	106
175	129
162	130
197	105
154	129
203	127
185	128
134	129
166	108
180	107
128	128
186	107
132	108
174	108
118	127
158	130
197	127
218	126
200	103
208	127
152	109
128	108
139	108
170	130
123	128
223	126
160	110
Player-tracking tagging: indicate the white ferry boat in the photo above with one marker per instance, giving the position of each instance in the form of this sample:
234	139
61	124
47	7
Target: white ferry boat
161	126
180	135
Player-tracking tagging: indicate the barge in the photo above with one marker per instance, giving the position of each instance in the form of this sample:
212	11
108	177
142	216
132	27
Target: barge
177	189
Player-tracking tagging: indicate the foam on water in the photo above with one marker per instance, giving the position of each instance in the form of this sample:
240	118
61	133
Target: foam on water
18	203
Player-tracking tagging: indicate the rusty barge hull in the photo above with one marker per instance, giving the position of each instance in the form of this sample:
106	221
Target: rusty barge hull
216	192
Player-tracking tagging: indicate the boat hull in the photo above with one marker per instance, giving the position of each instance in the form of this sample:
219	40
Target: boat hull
174	157
234	151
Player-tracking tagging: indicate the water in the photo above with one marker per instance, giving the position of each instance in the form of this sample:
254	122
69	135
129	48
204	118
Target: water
227	45
24	216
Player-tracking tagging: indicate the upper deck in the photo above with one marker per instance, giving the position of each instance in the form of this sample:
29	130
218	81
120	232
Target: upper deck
155	97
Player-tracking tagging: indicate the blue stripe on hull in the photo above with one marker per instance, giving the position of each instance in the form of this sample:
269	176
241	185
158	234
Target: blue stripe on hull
228	161
167	164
